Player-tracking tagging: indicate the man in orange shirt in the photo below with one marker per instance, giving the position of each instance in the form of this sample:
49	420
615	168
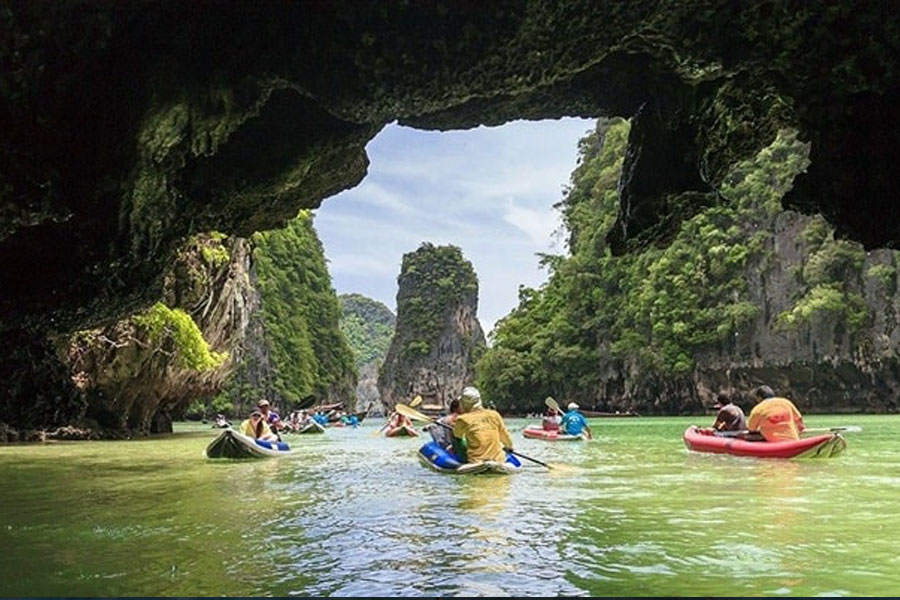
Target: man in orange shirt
777	419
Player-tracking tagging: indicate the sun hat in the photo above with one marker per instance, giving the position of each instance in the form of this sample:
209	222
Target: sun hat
572	406
471	398
263	403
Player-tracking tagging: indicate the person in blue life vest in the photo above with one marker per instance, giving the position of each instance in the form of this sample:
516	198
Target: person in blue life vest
574	423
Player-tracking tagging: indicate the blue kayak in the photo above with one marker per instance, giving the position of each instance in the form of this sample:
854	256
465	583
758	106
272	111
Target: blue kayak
438	459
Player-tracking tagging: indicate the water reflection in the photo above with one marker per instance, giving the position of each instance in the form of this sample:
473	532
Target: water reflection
484	495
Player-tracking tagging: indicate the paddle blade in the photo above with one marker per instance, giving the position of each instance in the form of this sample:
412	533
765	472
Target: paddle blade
412	413
551	403
416	401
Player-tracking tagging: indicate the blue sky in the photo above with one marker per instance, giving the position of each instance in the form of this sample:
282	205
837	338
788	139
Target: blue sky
488	190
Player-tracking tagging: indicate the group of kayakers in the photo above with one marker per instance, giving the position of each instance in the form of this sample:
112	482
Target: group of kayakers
772	419
264	423
475	433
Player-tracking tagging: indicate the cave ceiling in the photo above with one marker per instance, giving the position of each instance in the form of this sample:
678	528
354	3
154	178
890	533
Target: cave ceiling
127	126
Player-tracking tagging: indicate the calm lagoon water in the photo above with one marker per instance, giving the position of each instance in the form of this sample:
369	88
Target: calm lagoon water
349	513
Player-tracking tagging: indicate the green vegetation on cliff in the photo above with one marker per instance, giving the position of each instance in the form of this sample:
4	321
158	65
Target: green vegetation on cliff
163	324
432	280
367	325
656	309
300	310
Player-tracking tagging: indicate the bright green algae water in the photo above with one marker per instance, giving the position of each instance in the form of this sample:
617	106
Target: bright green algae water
632	513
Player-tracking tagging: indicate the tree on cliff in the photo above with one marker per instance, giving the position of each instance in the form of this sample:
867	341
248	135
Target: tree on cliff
438	337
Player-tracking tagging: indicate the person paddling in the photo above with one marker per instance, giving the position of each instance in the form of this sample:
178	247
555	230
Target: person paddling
482	430
729	417
574	423
441	434
273	420
552	419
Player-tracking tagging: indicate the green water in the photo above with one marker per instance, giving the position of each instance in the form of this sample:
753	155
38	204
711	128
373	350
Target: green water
632	513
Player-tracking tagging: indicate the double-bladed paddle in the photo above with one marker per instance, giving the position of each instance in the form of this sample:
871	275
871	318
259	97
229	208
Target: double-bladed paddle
414	414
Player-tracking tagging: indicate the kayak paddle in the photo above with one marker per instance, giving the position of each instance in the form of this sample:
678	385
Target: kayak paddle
842	429
414	414
551	403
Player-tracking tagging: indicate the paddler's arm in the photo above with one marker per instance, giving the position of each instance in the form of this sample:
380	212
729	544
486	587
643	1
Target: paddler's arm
590	434
505	438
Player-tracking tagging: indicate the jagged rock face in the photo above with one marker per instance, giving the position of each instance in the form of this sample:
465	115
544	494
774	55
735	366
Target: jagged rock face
824	364
295	353
438	337
367	397
130	384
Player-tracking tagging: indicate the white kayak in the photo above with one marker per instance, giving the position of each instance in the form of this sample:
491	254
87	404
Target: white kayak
231	444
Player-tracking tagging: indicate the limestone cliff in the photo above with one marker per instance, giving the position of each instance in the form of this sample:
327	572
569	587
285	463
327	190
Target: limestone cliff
295	352
135	375
741	295
438	337
368	326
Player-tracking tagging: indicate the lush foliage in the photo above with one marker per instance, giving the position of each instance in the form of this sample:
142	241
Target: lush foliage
432	280
301	314
163	324
658	308
368	326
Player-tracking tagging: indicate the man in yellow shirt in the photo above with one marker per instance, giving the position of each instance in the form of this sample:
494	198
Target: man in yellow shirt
777	419
483	430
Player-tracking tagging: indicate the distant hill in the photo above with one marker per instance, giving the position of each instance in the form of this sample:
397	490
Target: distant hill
368	326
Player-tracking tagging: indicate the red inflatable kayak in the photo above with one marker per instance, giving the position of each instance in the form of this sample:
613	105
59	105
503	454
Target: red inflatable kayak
539	433
819	446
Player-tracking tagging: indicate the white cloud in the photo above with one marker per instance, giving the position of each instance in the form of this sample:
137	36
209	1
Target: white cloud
537	224
366	266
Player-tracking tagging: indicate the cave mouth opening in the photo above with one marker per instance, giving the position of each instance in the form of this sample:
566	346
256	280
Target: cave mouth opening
490	191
